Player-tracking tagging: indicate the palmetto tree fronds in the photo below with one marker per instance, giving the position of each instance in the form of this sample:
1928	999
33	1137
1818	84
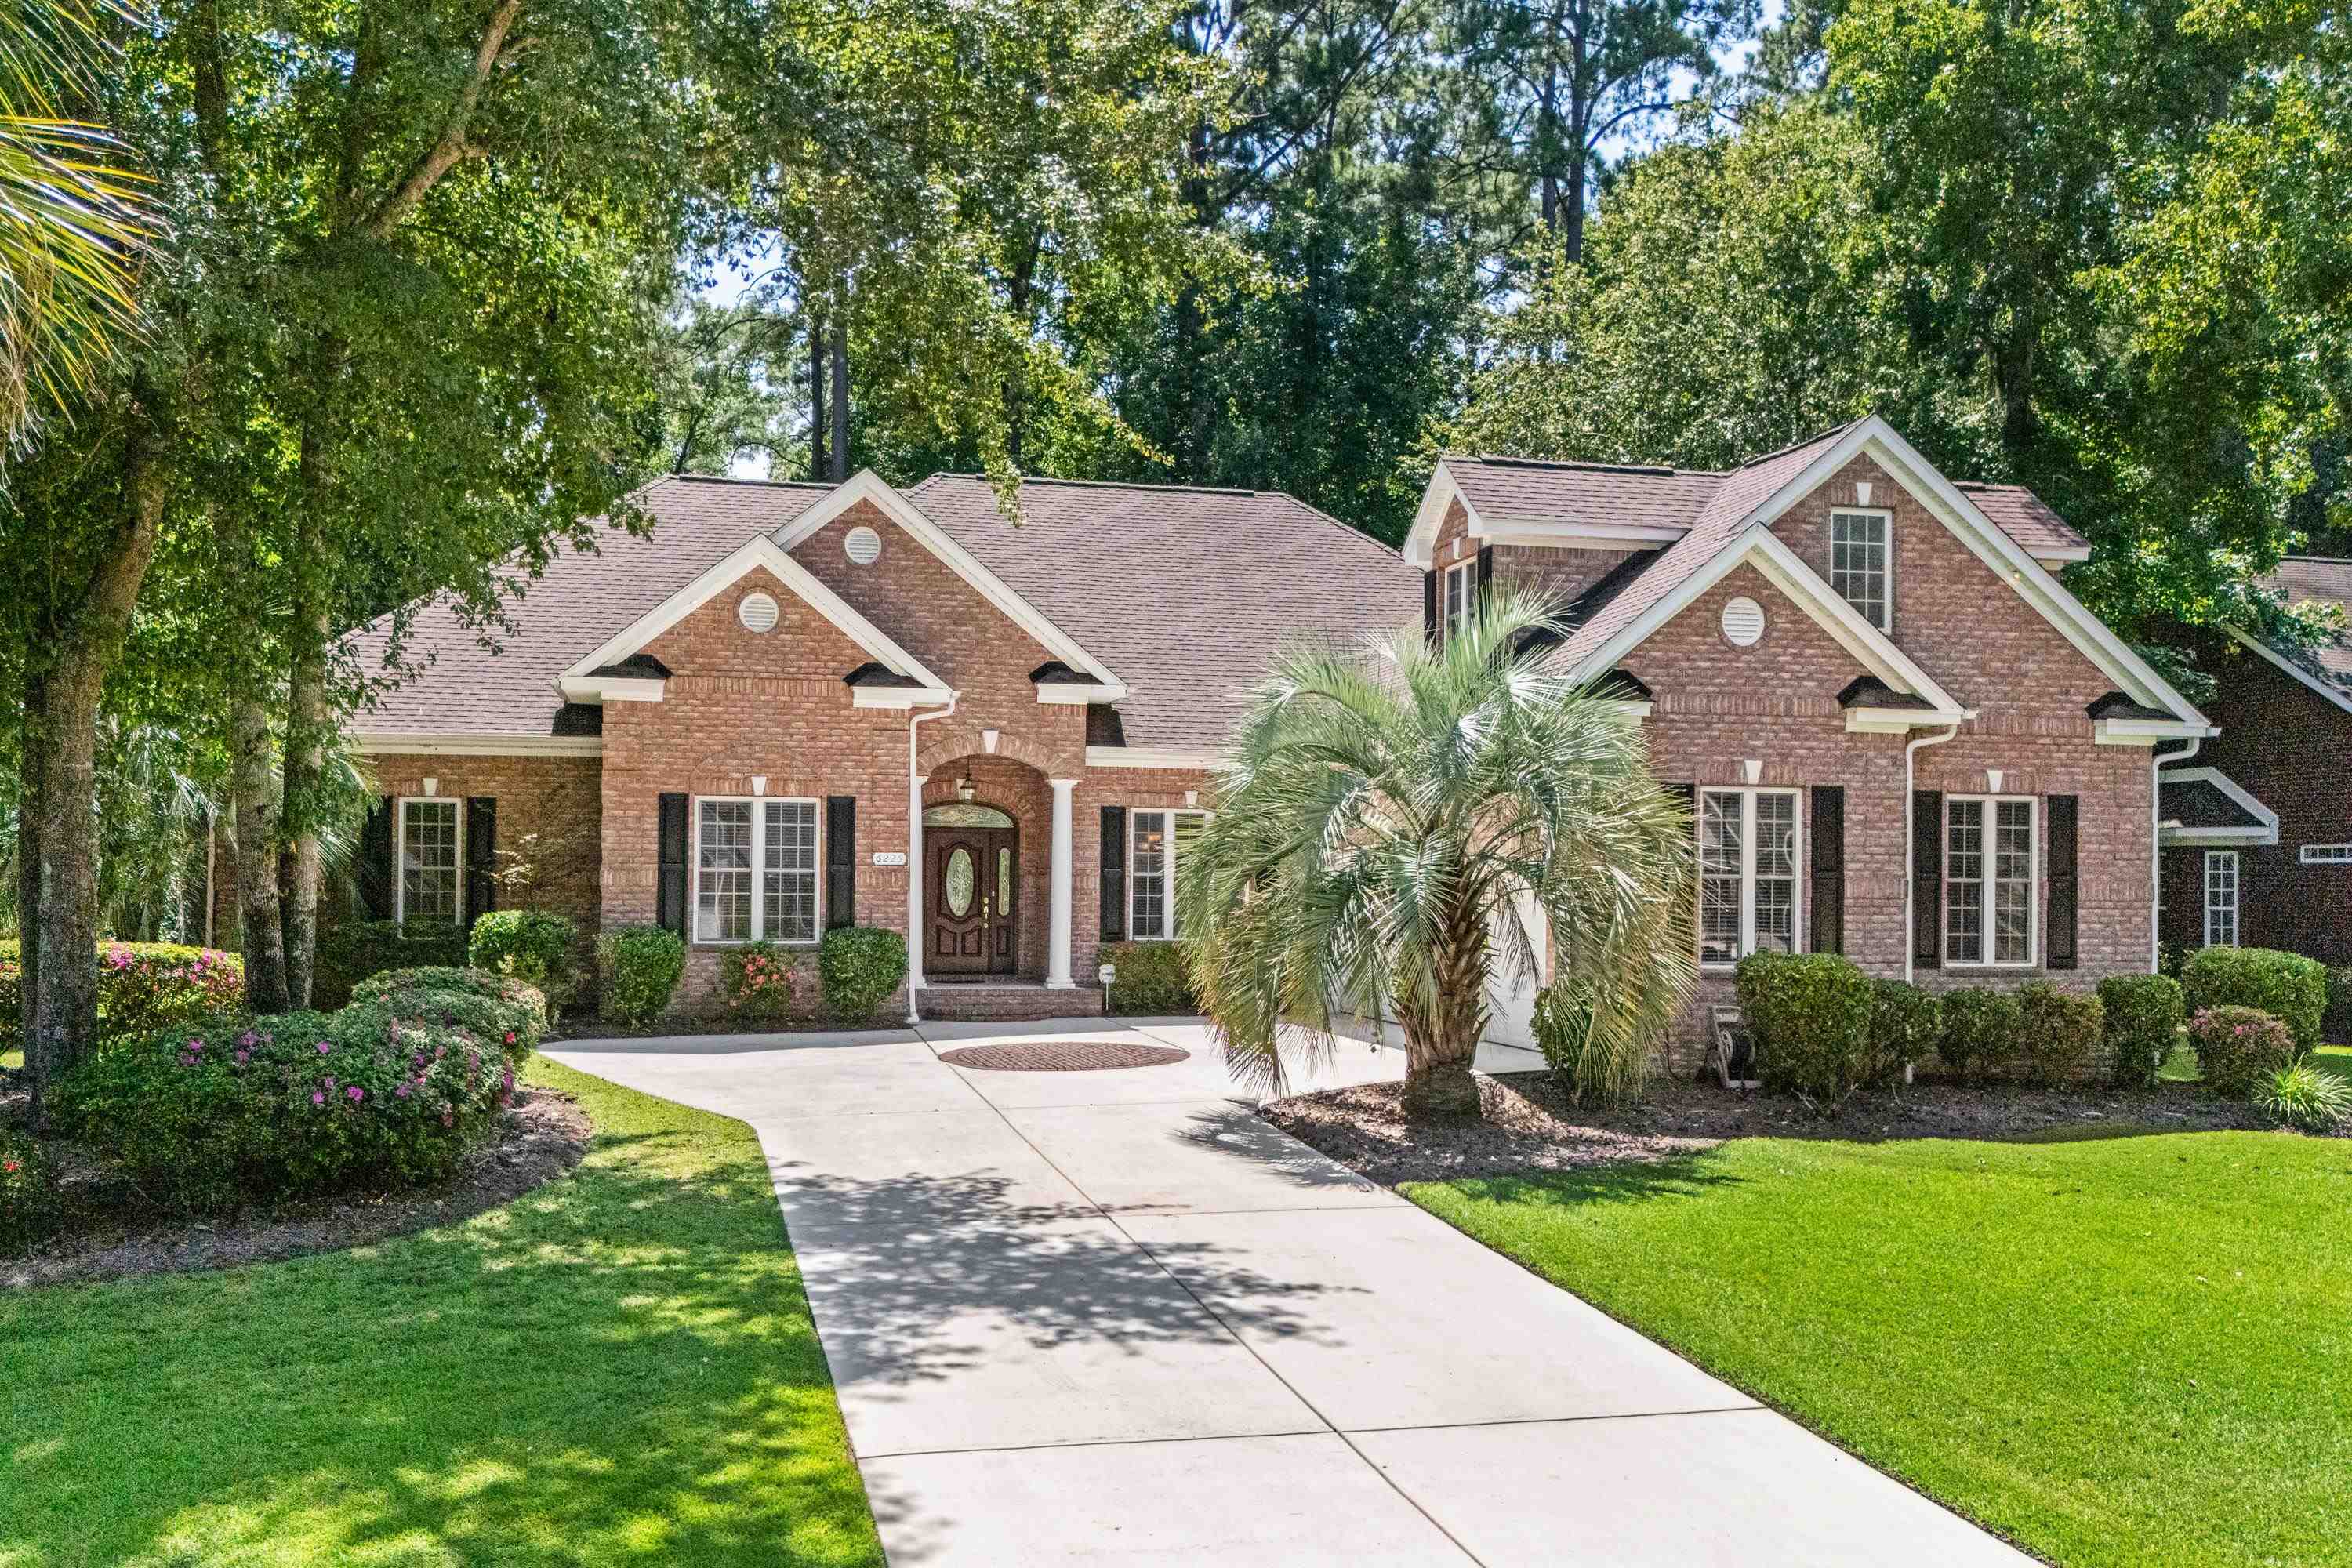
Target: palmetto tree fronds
1399	821
74	216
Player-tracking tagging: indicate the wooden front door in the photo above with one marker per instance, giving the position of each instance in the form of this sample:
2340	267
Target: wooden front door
971	877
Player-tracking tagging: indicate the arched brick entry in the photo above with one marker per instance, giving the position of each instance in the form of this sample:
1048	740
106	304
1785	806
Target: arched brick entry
959	741
1033	782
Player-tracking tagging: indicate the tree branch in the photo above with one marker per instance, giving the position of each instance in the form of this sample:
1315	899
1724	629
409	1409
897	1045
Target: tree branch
451	145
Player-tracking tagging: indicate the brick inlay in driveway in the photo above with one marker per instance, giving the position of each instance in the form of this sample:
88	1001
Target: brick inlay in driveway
1062	1056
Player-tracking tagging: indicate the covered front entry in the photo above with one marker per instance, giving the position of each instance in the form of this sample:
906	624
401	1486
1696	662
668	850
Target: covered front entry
972	886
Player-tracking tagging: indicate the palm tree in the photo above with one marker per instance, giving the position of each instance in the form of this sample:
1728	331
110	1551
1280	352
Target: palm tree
1389	818
74	223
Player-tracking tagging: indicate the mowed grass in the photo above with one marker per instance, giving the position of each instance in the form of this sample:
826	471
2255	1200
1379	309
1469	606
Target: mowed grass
618	1368
2125	1349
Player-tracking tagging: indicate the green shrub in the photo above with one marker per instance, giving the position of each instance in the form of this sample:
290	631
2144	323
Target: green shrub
2238	1046
537	947
2143	1026
639	968
1152	978
1902	1024
2288	987
2304	1096
757	980
2061	1041
288	1106
488	1006
29	1192
857	967
351	951
141	986
2338	1026
1811	1016
1979	1031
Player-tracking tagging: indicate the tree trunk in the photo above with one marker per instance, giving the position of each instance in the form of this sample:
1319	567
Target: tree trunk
28	859
307	731
59	940
1441	1032
840	402
817	414
256	812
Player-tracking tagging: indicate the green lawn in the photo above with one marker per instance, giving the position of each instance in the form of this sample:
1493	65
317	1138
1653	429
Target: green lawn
2337	1059
2129	1350
619	1368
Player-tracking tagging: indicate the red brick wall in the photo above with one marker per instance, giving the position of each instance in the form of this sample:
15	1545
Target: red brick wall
1561	572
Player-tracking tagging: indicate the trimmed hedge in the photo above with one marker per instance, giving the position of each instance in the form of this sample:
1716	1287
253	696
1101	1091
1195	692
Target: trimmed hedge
2237	1047
2143	1017
2062	1040
2289	987
1903	1020
29	1192
1811	1016
534	946
1979	1031
351	951
638	968
858	968
1153	977
141	986
488	1006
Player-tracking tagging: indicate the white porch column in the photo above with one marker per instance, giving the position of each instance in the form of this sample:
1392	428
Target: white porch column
915	782
1057	929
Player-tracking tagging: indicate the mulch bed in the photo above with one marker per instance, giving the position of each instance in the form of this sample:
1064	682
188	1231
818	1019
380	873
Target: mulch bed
1530	1124
1063	1055
110	1234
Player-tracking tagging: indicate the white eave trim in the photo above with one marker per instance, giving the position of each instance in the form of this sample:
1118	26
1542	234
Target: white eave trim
1436	497
1784	570
1150	757
2266	830
1899	721
2338	695
2147	731
1080	691
1589	535
2172	836
755	553
900	695
2073	555
868	486
461	746
1994	547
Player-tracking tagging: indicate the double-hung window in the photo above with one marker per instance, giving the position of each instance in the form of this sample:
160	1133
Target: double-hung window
1748	873
1987	880
432	861
1858	564
2221	897
1461	596
755	870
1155	841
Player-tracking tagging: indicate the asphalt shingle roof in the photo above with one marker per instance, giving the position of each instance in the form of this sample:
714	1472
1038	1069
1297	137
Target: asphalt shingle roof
2303	578
2200	803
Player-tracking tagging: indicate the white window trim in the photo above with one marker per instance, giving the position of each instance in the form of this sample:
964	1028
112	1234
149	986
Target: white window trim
1168	887
758	802
2033	884
2236	869
399	853
2326	855
1468	572
1885	516
1797	892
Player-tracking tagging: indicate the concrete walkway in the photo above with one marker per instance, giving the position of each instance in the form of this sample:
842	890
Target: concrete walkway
1113	1317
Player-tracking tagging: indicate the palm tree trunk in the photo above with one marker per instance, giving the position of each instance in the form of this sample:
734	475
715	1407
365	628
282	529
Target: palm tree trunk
1442	1034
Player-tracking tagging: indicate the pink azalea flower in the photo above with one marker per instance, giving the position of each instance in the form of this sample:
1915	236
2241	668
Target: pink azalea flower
356	1092
318	1099
324	1047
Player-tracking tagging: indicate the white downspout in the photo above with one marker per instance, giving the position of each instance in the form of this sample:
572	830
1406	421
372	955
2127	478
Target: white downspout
2156	760
1910	831
914	861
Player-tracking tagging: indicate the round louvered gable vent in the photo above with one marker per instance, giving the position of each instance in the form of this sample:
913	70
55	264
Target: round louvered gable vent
1743	622
757	611
864	546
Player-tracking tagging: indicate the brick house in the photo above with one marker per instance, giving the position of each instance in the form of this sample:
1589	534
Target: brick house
793	707
1903	739
2257	826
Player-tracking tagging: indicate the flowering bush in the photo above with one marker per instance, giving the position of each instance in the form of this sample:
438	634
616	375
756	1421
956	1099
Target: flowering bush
29	1192
141	986
2290	988
227	1110
487	1006
2238	1046
757	978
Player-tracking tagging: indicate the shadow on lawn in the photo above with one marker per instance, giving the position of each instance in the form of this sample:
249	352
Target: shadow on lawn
619	1366
1629	1182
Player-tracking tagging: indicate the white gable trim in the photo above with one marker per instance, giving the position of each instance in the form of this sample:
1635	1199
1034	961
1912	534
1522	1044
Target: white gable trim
1995	548
753	553
1785	571
1439	493
2174	835
867	486
2336	694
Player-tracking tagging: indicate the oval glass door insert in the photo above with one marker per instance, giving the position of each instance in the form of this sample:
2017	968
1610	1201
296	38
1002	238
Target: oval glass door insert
959	879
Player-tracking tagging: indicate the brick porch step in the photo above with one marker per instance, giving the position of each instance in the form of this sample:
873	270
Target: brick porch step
1006	1002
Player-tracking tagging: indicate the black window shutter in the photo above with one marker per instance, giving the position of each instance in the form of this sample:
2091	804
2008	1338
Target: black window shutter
1927	878
840	861
375	867
2058	943
1829	868
1486	566
669	897
481	855
1114	873
1428	606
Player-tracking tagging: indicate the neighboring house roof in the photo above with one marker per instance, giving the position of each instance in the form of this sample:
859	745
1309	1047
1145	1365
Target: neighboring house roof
2203	805
2304	578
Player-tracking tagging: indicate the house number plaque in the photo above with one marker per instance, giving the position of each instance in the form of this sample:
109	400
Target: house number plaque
889	857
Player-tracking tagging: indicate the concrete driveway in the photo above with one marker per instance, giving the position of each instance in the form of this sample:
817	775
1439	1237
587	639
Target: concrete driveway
1113	1317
